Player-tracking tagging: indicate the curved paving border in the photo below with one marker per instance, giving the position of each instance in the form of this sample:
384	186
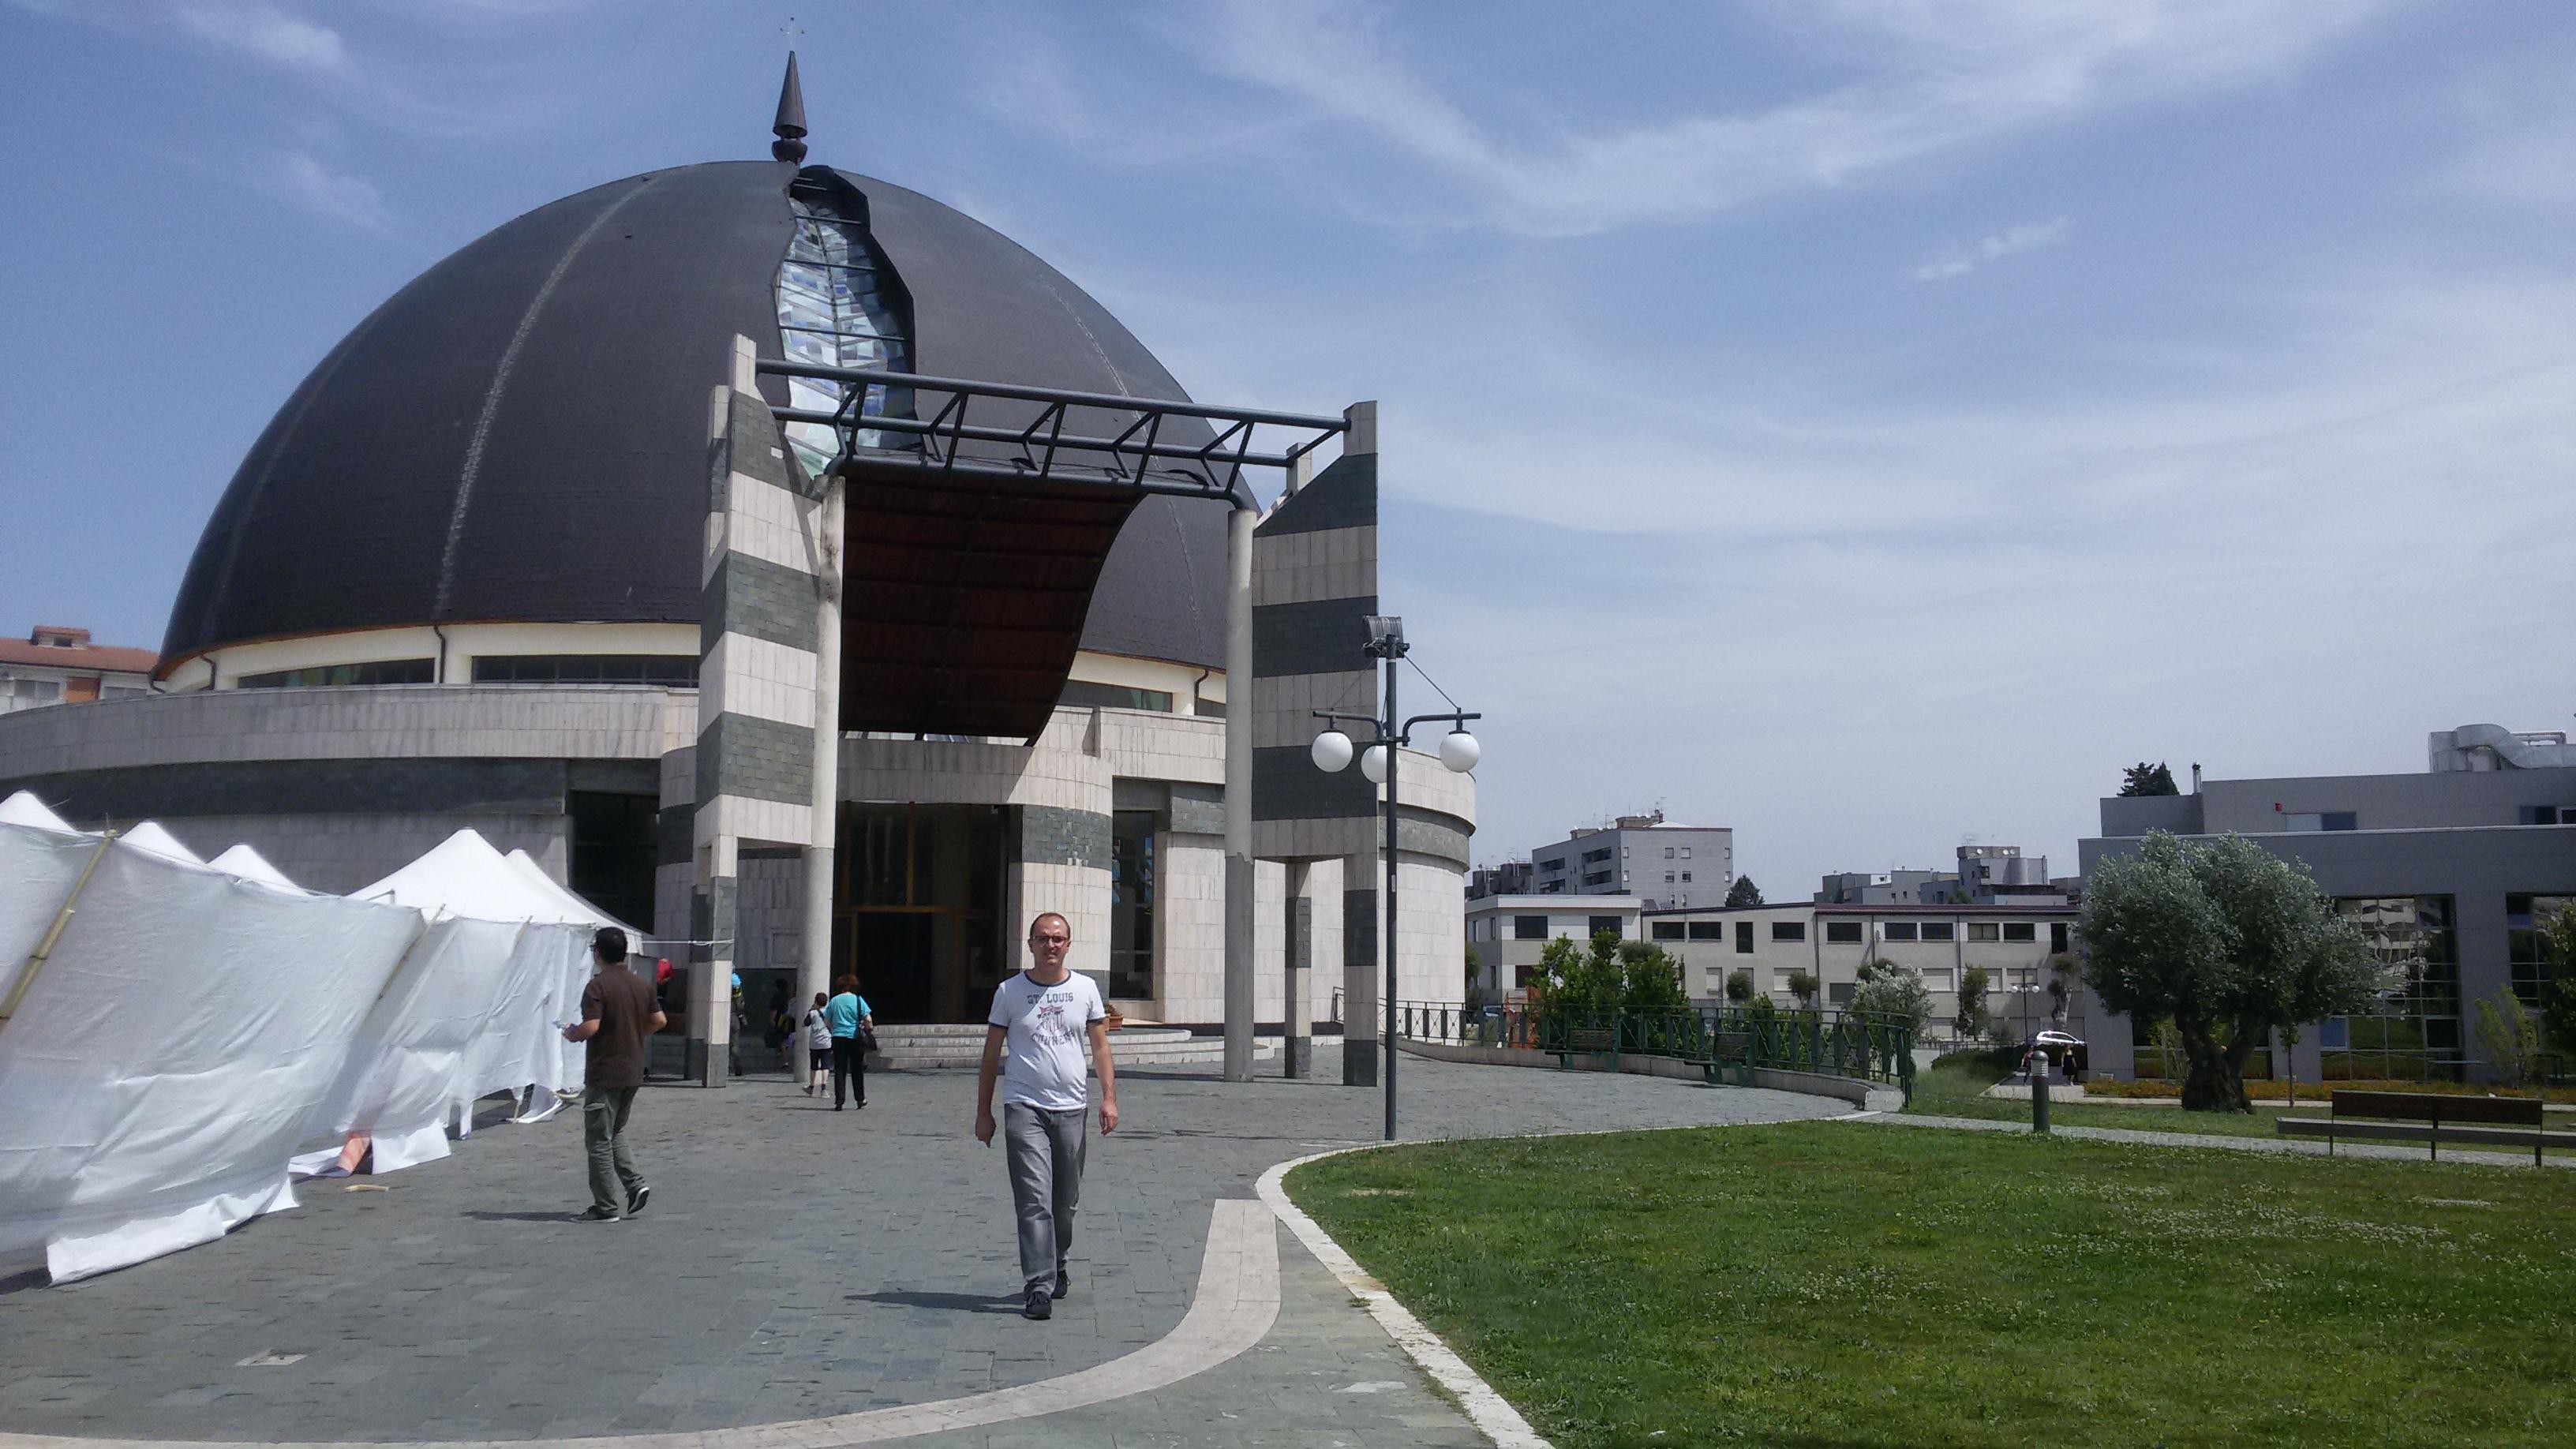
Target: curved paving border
1490	1412
1236	1303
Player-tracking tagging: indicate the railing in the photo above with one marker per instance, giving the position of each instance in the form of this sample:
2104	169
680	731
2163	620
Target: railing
1731	1043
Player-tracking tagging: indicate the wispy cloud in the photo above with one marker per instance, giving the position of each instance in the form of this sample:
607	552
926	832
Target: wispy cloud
268	33
1930	78
299	177
1958	261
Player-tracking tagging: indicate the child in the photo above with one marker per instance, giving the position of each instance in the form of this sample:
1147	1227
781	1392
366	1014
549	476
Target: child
818	1047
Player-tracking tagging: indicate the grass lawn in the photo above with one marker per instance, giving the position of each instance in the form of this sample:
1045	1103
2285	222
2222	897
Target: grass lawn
1956	1089
1842	1283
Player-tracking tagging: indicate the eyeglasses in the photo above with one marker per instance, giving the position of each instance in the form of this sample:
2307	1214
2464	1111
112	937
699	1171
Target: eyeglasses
1050	940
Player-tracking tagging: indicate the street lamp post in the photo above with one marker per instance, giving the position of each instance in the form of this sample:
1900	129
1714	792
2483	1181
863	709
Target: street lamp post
1332	752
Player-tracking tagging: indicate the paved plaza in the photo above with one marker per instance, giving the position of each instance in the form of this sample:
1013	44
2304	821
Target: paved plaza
795	1264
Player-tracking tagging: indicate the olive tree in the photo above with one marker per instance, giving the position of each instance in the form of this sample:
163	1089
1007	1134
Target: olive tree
1739	985
1802	986
1610	974
2228	941
1887	990
1972	1000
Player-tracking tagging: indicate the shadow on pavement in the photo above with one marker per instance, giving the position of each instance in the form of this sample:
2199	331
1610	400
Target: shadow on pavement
958	1302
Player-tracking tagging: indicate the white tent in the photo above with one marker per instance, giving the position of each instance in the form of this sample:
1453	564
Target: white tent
25	809
249	864
520	1045
162	1064
148	835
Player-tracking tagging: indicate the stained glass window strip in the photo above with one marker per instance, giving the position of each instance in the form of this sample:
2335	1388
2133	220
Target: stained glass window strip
833	313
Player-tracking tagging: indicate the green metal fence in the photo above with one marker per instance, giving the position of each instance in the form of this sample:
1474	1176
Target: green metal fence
1729	1044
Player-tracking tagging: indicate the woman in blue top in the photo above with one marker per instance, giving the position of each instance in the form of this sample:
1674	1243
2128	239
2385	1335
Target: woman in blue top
846	1013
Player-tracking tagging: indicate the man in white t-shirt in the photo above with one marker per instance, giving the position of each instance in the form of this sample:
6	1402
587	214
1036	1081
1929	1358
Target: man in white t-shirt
1040	1021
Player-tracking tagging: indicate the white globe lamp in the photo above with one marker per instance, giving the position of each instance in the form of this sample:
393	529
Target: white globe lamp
1373	764
1331	751
1459	751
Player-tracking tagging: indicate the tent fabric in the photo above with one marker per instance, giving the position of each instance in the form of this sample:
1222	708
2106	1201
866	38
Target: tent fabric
249	864
24	808
464	876
407	1064
38	868
165	1064
149	835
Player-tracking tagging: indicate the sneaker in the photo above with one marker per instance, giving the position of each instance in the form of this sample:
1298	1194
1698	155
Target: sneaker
1039	1305
635	1201
597	1214
1063	1284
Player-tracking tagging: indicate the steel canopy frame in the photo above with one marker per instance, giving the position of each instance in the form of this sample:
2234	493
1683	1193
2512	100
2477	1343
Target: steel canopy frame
1046	453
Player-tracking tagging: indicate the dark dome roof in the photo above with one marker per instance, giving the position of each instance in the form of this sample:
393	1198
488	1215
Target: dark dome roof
520	434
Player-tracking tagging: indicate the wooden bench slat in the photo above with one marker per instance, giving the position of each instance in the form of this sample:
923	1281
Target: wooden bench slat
2437	1107
2363	1129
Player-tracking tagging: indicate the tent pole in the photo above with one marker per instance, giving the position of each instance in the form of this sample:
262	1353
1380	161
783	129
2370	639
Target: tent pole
45	948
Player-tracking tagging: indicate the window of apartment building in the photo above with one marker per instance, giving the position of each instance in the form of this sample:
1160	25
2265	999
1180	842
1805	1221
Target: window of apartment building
1898	931
1788	930
1938	979
1744	938
1595	857
2526	949
1598	924
1840	992
1940	931
2057	937
1668	852
1708	930
1598	877
2549	815
2020	931
2021	978
1556	864
1686	852
1842	933
28	693
1668	930
383	671
1523	976
2320	820
1529	928
1685	877
1981	931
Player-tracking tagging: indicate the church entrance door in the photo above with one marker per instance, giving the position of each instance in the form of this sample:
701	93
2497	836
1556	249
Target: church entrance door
918	908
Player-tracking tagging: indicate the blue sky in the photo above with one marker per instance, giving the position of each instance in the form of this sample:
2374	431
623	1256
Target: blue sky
1868	425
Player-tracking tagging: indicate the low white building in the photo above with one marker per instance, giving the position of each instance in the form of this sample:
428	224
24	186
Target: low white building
1507	934
2018	946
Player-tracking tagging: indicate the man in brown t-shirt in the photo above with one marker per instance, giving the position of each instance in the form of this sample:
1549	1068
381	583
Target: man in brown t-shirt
617	1013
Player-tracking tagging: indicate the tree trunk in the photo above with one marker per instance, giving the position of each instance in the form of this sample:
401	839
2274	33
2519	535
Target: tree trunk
2215	1080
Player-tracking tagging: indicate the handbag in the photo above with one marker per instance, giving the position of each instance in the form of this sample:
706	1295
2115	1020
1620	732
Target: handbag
867	1037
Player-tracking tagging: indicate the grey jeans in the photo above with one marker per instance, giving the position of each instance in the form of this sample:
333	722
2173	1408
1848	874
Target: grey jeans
613	1178
1045	1152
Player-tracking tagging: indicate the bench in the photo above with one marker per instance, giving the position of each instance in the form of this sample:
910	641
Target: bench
1726	1050
1589	1041
2431	1118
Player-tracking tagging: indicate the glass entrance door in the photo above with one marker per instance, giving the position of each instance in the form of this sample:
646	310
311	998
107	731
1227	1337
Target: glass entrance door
918	908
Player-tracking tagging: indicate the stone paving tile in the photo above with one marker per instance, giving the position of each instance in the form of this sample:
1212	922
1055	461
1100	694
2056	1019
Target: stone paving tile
2289	1146
795	1263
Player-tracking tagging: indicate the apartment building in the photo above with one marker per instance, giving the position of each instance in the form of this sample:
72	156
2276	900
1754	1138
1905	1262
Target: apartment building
1508	933
58	665
1667	866
2018	946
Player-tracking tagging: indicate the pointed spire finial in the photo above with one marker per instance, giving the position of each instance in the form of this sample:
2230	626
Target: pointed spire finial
790	125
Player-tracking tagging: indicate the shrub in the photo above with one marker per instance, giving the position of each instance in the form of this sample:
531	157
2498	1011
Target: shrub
1739	985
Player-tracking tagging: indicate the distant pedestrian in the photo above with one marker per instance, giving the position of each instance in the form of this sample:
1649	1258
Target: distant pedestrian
617	1014
848	1017
781	1031
816	1037
1034	1043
